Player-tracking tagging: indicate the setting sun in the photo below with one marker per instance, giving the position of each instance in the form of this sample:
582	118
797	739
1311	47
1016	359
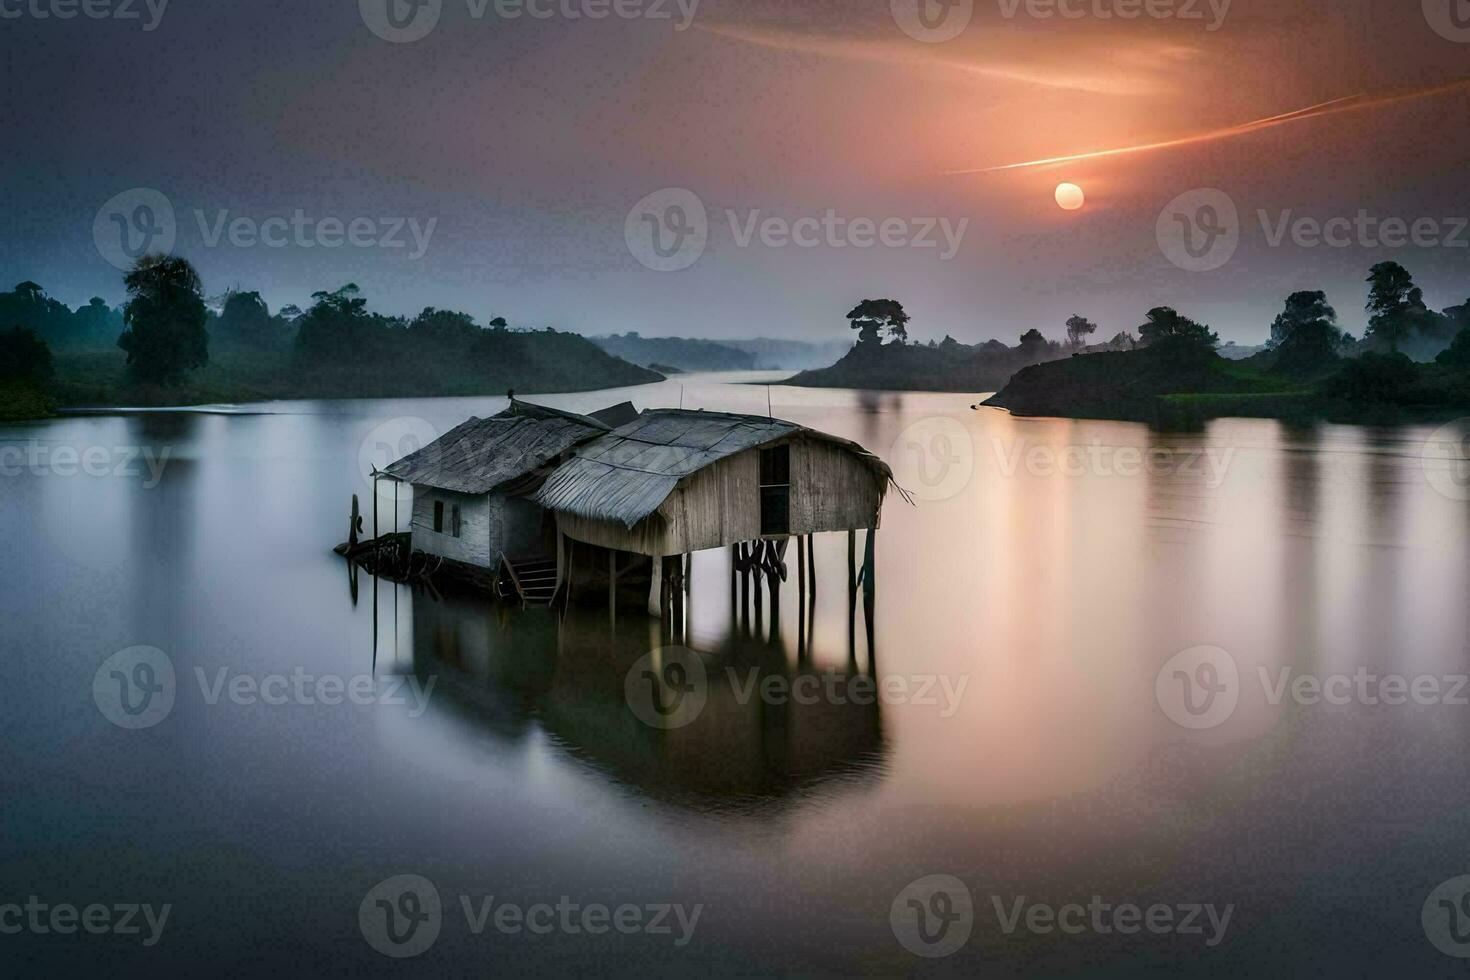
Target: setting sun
1070	197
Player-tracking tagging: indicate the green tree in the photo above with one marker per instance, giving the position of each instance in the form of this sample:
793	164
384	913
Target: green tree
873	317
1457	354
337	329
1033	341
245	318
1394	303
1164	324
24	356
1079	328
1305	333
164	319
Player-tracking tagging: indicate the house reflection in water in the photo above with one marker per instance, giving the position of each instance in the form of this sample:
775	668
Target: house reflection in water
511	671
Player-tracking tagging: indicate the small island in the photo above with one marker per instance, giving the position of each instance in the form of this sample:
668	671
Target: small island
169	345
1412	364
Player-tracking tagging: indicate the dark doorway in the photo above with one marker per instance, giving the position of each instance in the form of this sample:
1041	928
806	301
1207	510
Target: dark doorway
776	490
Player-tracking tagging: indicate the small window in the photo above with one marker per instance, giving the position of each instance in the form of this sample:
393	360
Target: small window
454	519
776	466
438	517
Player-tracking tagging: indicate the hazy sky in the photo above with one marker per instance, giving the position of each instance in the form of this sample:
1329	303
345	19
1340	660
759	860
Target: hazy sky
528	140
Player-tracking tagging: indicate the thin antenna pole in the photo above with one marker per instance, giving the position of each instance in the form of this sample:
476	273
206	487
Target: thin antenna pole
681	397
768	402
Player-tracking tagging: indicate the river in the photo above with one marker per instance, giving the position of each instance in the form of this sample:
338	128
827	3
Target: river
1035	607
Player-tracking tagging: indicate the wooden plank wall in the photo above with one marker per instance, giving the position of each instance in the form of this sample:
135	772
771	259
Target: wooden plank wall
473	544
831	490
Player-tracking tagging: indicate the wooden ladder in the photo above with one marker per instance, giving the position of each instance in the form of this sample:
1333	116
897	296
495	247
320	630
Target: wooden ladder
532	579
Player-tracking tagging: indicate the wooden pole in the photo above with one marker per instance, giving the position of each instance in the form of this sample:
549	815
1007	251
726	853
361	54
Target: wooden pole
800	598
612	587
801	569
758	556
811	570
656	588
870	587
851	562
734	558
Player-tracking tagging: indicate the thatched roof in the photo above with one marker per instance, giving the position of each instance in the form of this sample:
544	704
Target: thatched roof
626	474
480	455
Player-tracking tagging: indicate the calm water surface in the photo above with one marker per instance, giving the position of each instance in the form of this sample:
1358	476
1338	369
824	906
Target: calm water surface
1043	586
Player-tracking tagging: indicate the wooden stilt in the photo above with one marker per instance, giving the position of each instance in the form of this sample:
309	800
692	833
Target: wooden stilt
757	561
801	599
851	561
612	587
688	579
811	570
801	570
656	588
870	587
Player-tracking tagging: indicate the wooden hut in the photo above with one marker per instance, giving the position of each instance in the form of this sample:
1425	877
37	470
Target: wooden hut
469	507
499	493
